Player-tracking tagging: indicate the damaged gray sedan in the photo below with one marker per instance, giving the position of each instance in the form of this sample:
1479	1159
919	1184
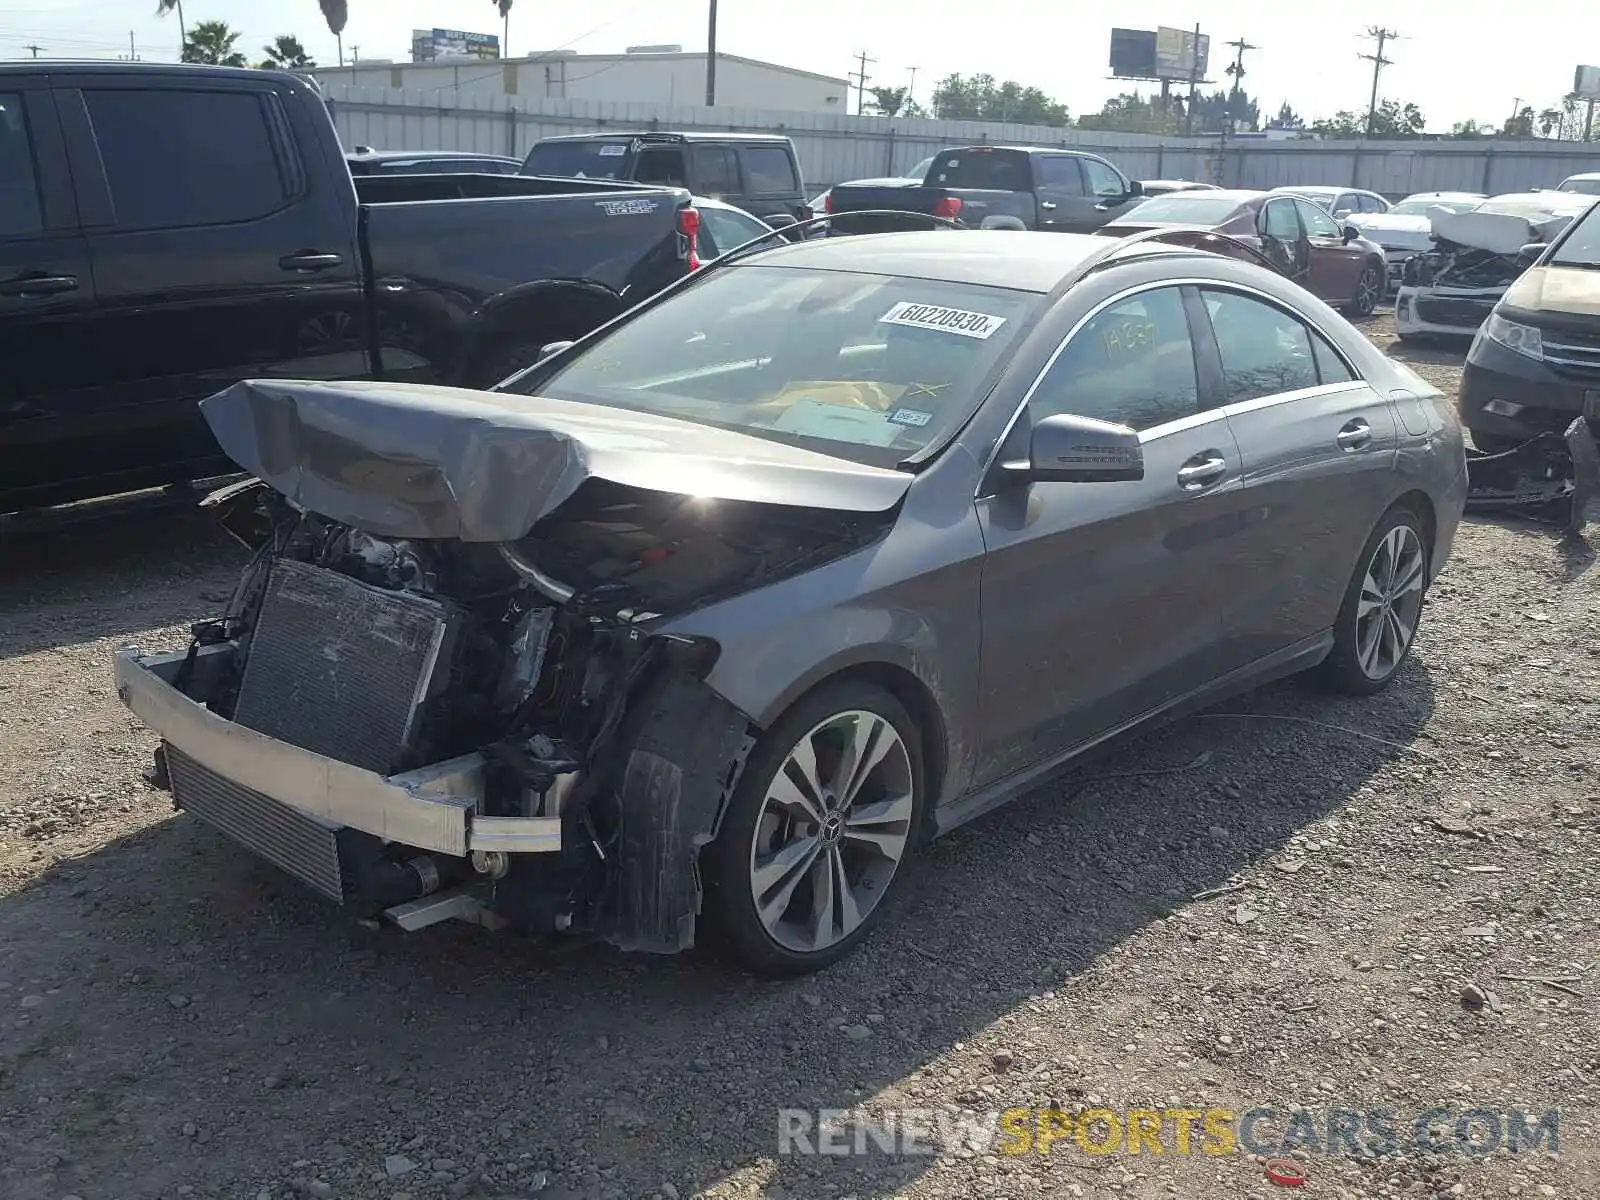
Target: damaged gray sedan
716	615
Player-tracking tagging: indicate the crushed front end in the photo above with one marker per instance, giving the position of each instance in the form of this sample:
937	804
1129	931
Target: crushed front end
437	728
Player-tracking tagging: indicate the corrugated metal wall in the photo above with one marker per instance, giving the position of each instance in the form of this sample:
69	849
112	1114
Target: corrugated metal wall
834	148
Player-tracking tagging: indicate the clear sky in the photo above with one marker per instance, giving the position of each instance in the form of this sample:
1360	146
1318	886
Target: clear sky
1454	60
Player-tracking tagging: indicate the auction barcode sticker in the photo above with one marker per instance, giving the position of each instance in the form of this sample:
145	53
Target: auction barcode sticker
947	320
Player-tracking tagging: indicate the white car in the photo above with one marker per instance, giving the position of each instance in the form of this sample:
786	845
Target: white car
724	227
1405	229
1586	184
1338	202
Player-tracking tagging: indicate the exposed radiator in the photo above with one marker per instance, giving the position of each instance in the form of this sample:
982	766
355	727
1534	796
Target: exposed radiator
340	668
295	841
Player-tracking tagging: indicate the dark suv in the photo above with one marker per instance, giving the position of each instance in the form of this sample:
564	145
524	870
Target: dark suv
757	172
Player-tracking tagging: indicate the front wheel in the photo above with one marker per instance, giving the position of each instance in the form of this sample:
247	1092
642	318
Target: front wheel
817	831
1369	289
1382	607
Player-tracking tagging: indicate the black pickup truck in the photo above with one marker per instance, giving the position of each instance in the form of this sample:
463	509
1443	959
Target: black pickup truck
996	187
166	231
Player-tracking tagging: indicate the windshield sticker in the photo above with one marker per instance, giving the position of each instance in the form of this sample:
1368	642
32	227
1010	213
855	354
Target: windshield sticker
625	208
946	320
837	422
914	417
613	150
924	389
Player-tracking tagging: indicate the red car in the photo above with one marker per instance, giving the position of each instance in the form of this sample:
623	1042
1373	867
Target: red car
1297	237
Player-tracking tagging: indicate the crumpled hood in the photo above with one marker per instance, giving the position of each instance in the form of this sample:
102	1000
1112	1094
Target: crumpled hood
418	461
1405	231
1560	291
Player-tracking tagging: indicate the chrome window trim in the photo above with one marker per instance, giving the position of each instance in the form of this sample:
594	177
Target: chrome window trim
1193	419
1256	404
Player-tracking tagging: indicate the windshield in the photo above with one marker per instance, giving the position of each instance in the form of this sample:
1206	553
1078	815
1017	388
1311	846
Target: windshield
1583	187
870	368
1582	245
1184	208
1419	208
579	160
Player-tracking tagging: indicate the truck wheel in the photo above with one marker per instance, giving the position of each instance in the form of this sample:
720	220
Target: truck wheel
817	831
506	359
1377	622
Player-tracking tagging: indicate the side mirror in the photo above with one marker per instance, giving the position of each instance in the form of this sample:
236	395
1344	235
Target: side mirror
1070	449
551	349
1530	253
1350	232
1135	188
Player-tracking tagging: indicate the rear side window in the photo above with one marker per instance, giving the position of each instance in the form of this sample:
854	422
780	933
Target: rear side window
663	165
769	169
996	170
1266	351
183	158
20	213
1060	174
715	172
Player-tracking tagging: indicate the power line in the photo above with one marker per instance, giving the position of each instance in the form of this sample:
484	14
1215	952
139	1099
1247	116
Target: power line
1379	62
861	77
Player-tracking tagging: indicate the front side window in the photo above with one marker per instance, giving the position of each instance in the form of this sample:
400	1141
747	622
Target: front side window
870	368
20	211
1317	222
176	158
728	229
1132	363
770	169
1103	181
1265	351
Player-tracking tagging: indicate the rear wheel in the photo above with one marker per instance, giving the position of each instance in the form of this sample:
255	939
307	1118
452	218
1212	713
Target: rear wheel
1493	443
1369	290
1382	607
817	831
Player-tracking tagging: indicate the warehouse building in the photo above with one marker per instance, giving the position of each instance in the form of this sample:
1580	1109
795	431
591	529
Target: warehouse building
649	74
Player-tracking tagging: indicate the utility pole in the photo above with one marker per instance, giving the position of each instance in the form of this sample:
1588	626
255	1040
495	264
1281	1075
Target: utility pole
133	53
711	57
861	77
911	90
34	49
1379	62
1194	85
1236	69
1588	122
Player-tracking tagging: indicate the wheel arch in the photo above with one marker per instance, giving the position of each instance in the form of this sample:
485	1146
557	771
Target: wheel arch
1420	503
549	309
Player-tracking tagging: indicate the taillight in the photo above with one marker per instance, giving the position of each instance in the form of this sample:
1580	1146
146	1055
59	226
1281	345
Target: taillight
827	202
947	207
689	232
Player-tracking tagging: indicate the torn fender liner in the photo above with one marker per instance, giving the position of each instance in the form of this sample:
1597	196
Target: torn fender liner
418	461
679	773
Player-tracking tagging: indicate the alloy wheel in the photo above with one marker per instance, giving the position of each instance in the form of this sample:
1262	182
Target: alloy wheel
834	824
1390	604
1367	290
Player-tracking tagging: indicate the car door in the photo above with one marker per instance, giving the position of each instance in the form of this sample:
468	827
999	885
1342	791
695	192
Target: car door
1315	439
223	248
1282	238
1109	189
1064	201
1335	263
1103	601
46	299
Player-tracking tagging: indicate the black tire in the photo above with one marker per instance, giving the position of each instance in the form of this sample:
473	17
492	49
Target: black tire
1493	443
729	862
1369	289
506	359
1342	671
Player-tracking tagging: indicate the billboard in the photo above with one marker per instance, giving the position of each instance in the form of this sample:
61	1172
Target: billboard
1181	53
1163	53
1586	83
435	45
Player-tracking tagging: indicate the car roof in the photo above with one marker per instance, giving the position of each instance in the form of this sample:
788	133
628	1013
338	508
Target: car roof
1319	189
101	66
1237	195
1023	260
387	155
1445	196
1585	175
609	135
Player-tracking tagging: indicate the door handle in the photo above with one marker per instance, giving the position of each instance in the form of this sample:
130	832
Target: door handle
39	285
1354	435
1202	470
310	260
1048	205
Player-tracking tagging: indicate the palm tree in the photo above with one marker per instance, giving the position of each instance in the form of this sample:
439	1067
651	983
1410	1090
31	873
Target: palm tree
163	7
505	15
212	42
287	54
337	13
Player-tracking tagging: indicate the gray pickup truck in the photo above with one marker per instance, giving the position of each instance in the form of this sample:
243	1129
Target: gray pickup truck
994	187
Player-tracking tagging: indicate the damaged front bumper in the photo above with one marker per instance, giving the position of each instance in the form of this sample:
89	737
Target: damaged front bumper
1550	478
1443	311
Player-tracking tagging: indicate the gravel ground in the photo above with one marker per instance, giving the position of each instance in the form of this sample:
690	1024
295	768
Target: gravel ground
176	1019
